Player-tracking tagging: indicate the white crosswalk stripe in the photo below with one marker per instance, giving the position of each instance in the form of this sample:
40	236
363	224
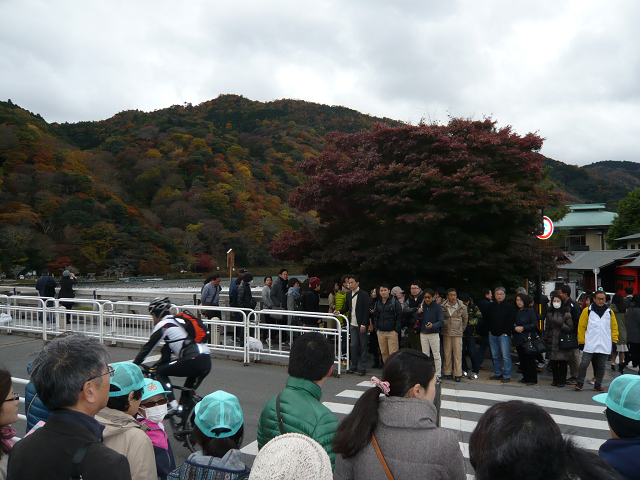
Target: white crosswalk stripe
456	402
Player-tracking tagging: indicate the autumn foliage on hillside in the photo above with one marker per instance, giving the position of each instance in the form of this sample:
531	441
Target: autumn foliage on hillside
152	192
450	204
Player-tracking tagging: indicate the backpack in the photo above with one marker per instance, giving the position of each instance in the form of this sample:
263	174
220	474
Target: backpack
194	326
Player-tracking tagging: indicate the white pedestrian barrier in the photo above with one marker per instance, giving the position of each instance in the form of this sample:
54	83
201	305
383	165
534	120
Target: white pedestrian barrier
129	322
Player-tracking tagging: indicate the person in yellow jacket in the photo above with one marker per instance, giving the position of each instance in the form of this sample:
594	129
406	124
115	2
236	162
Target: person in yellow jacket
597	330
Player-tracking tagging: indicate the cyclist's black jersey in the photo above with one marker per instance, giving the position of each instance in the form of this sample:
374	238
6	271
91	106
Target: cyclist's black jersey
175	337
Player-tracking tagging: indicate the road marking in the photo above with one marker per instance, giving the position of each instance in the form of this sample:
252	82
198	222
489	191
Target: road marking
460	425
585	408
251	449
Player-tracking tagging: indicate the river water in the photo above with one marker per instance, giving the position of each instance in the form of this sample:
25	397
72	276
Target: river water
190	285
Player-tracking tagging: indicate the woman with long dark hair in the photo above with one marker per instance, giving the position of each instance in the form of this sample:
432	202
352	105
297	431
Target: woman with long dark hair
558	322
619	309
526	324
393	424
8	415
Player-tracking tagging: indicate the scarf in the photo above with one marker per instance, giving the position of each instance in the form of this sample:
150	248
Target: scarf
6	438
599	310
295	291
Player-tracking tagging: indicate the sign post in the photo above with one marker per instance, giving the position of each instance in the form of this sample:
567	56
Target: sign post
231	261
596	271
548	228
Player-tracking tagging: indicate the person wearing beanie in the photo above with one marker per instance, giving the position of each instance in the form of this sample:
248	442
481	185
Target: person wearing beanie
311	303
122	432
218	430
622	451
292	456
67	282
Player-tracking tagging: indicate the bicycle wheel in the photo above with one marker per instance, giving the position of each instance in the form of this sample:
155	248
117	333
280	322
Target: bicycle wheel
187	429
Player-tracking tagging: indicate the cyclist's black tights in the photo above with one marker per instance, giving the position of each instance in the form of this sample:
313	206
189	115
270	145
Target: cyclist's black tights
191	368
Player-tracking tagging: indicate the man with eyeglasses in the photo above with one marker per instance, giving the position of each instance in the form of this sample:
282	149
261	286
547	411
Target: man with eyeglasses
72	379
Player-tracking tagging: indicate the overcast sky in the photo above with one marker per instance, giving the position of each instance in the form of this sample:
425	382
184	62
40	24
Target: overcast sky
569	70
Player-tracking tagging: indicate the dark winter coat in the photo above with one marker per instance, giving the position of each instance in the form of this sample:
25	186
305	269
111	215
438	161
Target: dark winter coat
527	319
362	307
46	286
501	317
48	452
387	316
482	328
245	298
66	287
632	320
557	322
311	303
432	314
410	308
33	406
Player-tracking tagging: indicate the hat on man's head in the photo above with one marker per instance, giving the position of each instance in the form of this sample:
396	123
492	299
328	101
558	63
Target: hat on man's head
314	282
127	378
396	290
66	273
247	277
623	396
219	415
152	388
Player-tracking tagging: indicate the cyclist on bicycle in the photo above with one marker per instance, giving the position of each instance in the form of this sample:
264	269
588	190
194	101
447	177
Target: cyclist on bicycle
193	359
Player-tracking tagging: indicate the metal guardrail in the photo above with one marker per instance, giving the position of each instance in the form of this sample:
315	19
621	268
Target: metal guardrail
128	321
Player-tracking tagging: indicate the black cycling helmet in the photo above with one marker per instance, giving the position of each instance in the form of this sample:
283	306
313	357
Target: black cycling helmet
159	307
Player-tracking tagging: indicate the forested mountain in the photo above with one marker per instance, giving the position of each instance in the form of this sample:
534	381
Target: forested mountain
150	192
601	182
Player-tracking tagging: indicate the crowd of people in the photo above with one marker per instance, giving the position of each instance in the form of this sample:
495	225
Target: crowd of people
106	421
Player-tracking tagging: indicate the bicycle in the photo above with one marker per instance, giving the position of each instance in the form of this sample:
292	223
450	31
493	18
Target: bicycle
182	429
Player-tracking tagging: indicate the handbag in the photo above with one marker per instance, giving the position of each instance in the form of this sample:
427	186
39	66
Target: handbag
534	344
568	341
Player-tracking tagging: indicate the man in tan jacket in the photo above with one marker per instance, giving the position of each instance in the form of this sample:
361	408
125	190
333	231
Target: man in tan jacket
123	433
455	321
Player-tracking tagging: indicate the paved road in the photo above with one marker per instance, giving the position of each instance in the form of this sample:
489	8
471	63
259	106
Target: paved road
462	403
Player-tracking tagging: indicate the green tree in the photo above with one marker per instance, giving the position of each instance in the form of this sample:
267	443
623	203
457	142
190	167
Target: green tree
628	220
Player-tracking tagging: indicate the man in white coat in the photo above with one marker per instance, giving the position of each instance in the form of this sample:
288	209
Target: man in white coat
597	330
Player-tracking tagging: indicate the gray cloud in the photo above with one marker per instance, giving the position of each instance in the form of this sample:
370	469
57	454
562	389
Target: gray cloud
566	70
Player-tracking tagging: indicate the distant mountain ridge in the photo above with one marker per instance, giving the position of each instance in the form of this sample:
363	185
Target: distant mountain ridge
605	182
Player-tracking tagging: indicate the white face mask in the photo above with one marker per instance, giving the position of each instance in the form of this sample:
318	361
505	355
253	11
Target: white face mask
557	304
156	414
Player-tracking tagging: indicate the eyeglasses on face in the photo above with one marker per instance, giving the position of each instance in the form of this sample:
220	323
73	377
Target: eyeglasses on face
110	371
162	401
15	397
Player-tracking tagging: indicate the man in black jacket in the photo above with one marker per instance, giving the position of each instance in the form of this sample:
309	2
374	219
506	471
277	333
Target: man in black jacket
46	286
72	379
358	308
501	319
576	311
387	319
